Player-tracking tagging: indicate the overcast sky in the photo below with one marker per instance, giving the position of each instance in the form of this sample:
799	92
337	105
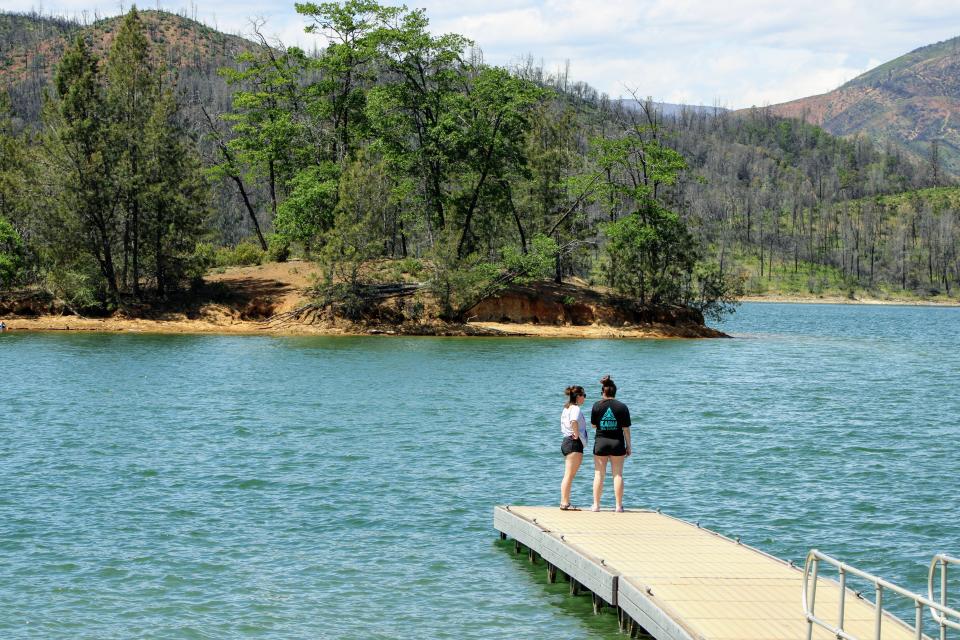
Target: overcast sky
735	53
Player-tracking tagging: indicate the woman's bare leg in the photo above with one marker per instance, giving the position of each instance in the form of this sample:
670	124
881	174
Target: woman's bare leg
571	463
616	468
599	471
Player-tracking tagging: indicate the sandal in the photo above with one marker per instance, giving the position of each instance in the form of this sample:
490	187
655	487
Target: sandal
569	507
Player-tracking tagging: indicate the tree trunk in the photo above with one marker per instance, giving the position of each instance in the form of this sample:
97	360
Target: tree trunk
273	189
253	214
136	249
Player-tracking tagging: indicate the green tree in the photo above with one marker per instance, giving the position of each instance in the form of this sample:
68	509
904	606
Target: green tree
408	109
270	138
13	164
354	31
651	257
485	129
132	83
356	237
175	194
554	198
85	215
308	212
650	250
12	254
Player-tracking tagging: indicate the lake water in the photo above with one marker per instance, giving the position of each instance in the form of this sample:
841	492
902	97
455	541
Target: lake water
214	486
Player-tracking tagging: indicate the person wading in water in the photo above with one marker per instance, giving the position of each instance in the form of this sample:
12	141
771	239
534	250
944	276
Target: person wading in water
611	419
573	426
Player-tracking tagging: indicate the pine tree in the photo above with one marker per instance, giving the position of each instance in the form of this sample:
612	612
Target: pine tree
175	195
14	200
132	84
85	215
11	161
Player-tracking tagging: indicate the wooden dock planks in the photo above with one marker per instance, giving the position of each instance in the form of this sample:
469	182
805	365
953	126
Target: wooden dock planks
681	582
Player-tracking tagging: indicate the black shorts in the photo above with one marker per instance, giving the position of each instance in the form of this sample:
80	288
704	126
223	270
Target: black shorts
571	445
609	447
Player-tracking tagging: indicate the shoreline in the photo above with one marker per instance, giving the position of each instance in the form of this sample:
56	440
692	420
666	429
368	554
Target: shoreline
892	302
185	326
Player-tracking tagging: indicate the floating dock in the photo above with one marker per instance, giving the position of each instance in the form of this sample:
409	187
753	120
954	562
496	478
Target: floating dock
672	580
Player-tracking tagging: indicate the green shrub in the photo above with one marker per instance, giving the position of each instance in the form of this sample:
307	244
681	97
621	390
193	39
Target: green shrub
278	247
76	287
410	266
224	257
247	253
204	257
244	254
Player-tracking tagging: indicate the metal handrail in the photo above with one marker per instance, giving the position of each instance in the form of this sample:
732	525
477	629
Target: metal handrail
809	596
943	561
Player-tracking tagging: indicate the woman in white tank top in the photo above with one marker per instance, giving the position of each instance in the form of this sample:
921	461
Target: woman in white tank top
573	426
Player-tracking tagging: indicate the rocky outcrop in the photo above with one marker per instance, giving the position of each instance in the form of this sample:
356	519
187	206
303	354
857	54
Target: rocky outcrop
567	304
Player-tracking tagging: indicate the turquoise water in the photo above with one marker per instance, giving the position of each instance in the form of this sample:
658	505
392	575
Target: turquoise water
212	487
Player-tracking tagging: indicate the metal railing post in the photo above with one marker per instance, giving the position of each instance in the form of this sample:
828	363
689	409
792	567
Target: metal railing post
813	597
843	597
879	618
943	615
943	596
919	620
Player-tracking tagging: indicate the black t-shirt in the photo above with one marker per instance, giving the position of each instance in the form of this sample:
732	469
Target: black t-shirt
611	417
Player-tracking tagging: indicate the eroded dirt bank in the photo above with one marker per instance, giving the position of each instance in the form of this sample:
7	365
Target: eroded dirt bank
254	300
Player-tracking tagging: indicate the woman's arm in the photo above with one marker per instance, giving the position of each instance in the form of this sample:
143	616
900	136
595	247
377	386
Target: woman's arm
566	416
626	438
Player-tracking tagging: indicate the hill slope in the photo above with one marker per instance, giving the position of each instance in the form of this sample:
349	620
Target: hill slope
909	102
31	45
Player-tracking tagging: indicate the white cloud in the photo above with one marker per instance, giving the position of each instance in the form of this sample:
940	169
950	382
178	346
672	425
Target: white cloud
735	53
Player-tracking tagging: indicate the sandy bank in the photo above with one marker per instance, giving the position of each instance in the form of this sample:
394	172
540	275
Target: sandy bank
798	299
187	326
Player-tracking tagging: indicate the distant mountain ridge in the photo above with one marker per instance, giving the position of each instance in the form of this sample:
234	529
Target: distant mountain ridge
908	102
671	109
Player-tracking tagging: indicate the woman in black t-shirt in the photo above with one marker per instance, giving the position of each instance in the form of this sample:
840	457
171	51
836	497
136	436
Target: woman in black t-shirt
611	419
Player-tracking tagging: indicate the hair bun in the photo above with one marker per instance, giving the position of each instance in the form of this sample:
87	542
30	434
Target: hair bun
605	379
568	390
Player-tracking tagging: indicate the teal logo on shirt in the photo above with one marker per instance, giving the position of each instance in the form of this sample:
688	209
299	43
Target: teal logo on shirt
608	421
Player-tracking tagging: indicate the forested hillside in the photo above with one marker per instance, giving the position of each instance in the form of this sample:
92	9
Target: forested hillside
797	210
392	146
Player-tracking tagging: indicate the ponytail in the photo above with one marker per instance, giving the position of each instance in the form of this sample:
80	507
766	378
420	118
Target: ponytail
573	392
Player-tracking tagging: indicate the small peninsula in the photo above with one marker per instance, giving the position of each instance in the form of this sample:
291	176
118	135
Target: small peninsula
280	299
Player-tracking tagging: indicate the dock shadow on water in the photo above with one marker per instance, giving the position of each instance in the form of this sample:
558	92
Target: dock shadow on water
558	595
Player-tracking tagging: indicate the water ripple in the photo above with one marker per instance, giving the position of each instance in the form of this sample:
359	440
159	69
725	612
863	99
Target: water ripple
210	487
